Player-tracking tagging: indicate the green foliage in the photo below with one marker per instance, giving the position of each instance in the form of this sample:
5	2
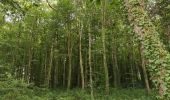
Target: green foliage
36	38
154	49
17	90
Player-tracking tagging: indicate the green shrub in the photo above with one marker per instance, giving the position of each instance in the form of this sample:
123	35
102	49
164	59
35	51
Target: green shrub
18	90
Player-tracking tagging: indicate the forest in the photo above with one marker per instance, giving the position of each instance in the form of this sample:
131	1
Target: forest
84	49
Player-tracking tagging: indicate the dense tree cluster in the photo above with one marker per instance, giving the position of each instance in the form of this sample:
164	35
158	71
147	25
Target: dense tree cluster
89	44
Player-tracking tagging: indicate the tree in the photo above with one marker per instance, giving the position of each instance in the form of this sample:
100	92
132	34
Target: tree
153	48
103	10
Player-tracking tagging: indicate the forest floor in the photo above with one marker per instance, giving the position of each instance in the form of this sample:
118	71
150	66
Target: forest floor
16	90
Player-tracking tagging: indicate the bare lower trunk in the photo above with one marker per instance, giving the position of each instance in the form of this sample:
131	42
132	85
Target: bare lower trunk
28	68
90	65
144	70
45	69
50	66
80	58
64	71
69	61
115	70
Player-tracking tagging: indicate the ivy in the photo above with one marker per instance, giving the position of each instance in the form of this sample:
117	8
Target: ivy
154	50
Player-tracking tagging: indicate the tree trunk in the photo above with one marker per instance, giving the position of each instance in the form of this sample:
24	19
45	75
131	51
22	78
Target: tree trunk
56	73
153	49
28	69
90	65
64	71
80	56
69	61
86	69
104	47
45	69
115	64
50	65
144	70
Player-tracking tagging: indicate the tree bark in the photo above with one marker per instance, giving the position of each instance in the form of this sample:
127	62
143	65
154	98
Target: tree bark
90	65
50	65
80	57
104	47
144	70
115	64
64	71
69	61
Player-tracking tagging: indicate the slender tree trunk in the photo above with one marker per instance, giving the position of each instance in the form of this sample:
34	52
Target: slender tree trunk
64	71
50	65
30	51
86	70
56	70
45	69
69	61
90	64
130	56
15	69
28	69
80	57
104	47
144	70
23	68
56	67
115	64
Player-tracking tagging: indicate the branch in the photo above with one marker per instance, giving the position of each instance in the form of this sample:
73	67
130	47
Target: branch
50	5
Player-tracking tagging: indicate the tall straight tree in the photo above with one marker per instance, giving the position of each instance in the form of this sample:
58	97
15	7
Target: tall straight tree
79	4
69	48
90	61
50	65
103	31
80	56
115	67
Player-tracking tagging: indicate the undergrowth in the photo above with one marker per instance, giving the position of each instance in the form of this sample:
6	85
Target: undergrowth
18	90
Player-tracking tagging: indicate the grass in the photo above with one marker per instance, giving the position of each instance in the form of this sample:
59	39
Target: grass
14	90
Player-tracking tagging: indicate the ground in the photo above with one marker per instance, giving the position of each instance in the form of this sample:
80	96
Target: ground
16	90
